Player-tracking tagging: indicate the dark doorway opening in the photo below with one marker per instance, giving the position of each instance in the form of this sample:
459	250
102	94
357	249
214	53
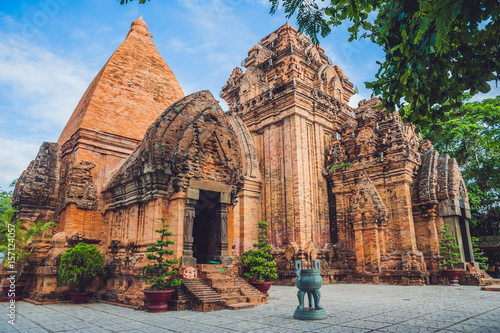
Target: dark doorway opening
205	227
332	212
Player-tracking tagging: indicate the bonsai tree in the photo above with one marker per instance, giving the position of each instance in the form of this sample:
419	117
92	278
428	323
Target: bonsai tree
18	239
479	256
259	261
159	272
80	264
448	249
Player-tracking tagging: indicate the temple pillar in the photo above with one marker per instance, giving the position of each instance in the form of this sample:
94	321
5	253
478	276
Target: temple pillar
187	258
222	254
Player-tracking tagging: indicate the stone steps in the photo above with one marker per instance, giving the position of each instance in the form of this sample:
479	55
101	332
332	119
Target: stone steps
486	282
233	292
235	299
491	287
253	294
239	306
227	290
202	296
179	300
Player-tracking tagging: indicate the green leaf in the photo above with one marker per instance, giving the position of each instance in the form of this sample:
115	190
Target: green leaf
403	79
404	35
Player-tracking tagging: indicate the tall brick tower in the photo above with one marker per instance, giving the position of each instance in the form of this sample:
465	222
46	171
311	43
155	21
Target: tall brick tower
289	98
65	181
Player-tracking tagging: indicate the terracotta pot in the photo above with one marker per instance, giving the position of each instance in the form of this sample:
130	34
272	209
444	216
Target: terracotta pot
453	276
18	292
263	287
80	298
157	300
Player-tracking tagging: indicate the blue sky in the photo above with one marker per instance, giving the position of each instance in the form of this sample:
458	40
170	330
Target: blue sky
50	50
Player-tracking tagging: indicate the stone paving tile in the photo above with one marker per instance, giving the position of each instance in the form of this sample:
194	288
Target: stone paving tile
350	308
243	327
365	324
388	318
481	322
34	330
487	330
305	325
273	330
434	324
462	327
406	329
340	329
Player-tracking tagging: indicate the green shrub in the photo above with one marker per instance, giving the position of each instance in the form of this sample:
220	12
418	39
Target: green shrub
18	239
157	273
80	264
448	249
478	255
259	262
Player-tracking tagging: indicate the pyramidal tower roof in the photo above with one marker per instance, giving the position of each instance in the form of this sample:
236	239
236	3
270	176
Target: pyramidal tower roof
132	89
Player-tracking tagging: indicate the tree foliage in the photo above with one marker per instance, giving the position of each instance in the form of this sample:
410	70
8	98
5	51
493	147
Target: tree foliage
80	264
158	273
448	249
6	198
479	256
434	49
474	141
18	240
260	261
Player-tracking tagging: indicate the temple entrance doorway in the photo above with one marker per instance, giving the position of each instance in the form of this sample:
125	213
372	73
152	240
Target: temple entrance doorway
205	227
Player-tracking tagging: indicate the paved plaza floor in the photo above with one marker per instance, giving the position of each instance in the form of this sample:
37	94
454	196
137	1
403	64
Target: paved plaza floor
350	308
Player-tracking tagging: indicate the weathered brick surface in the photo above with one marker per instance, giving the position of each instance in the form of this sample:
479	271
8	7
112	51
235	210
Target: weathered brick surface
288	99
35	193
356	189
192	140
66	181
129	93
391	196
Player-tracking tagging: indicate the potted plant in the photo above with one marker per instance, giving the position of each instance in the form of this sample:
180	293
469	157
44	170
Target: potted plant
159	273
259	261
80	265
17	241
449	256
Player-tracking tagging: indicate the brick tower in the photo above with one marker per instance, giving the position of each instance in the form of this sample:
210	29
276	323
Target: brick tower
289	98
132	89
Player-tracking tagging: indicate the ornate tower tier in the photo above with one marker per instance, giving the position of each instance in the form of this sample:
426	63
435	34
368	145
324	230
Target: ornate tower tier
289	98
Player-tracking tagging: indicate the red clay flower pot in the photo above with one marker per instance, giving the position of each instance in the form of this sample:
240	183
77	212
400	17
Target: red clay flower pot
80	298
18	292
263	287
453	276
157	300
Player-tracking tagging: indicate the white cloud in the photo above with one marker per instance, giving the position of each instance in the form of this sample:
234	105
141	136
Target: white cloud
39	91
47	86
15	156
177	45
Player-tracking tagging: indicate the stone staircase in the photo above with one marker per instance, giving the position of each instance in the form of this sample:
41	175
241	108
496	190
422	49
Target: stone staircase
216	288
490	284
